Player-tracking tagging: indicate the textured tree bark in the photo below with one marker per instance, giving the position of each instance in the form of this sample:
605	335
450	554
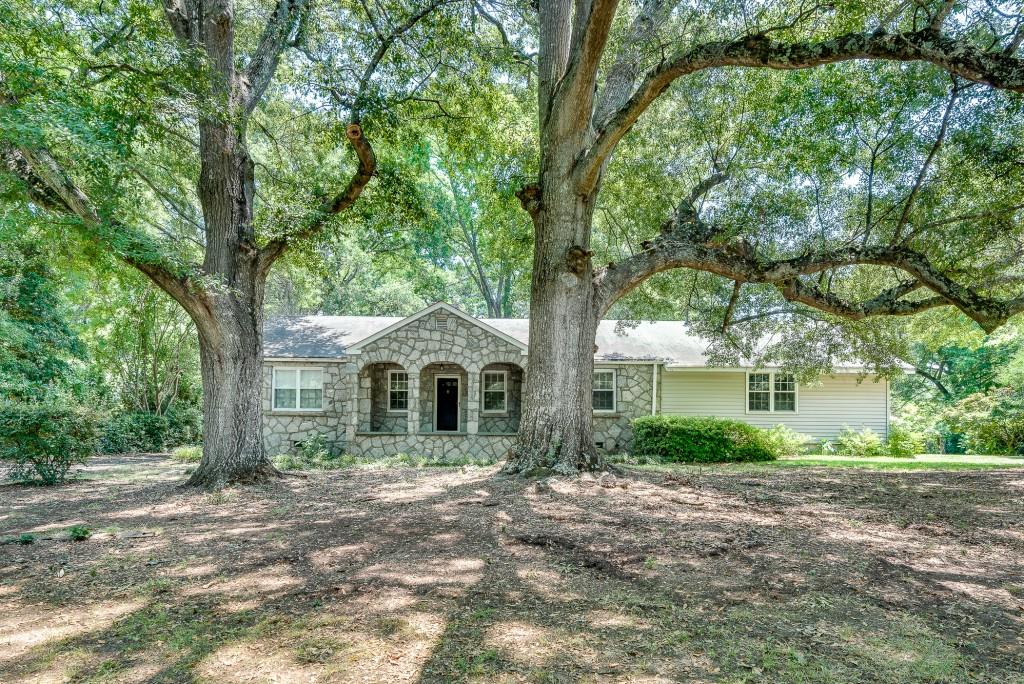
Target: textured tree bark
230	350
556	430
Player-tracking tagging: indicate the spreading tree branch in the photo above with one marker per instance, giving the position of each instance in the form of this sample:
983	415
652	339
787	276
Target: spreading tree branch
283	30
956	56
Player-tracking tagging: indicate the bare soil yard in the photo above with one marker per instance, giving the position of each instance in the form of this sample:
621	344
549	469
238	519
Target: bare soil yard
449	575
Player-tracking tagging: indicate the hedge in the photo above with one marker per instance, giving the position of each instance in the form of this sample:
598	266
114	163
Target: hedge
682	439
42	442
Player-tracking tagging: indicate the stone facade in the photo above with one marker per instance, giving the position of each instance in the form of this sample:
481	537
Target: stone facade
283	430
434	344
634	391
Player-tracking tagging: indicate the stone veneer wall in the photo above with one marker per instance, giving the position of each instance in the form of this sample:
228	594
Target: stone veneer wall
508	422
415	347
283	429
381	420
634	389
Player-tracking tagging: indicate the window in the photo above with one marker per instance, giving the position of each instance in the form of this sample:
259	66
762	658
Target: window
759	392
604	391
298	389
771	392
785	392
495	391
398	391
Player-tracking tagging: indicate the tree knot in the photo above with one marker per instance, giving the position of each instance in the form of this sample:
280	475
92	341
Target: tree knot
529	197
577	259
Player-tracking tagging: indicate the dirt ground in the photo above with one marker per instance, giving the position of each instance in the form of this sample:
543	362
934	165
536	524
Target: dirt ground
451	575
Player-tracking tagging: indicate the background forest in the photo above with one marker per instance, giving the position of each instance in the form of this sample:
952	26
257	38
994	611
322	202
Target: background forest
449	100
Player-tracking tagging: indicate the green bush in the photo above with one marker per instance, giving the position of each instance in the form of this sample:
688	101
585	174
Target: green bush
140	431
681	439
42	442
849	442
990	422
785	441
188	454
79	533
904	442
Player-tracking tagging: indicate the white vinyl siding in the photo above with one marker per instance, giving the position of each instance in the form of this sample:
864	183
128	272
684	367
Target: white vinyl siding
824	406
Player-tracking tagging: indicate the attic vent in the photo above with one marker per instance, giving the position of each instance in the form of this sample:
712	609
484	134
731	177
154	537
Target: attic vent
444	323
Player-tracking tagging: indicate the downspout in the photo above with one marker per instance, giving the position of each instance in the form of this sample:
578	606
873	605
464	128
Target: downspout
654	391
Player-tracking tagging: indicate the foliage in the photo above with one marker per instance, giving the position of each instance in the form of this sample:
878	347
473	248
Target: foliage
850	442
138	431
787	442
26	538
992	422
41	442
187	454
37	341
904	441
79	533
701	440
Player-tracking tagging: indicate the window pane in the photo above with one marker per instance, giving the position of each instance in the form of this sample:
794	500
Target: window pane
604	380
494	381
400	381
494	401
399	400
759	382
604	400
785	392
284	398
311	398
285	379
311	379
759	401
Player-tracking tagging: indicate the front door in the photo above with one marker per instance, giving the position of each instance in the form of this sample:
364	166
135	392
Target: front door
446	404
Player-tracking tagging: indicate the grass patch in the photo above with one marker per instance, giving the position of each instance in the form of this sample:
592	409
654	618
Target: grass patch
921	462
188	454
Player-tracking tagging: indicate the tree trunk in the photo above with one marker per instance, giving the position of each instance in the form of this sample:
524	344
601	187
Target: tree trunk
556	431
231	354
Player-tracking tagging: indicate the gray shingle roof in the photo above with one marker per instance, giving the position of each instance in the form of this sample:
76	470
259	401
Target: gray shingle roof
327	337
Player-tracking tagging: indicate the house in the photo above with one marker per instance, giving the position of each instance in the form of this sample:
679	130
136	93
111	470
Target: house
443	383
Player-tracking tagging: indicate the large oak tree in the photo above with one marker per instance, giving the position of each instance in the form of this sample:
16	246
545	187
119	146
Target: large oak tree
603	67
137	126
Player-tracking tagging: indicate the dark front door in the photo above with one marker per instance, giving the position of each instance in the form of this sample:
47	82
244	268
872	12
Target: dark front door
447	398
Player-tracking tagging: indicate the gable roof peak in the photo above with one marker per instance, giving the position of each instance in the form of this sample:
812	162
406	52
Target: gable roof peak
435	307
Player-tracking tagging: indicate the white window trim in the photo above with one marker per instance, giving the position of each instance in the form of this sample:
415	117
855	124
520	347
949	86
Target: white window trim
494	412
408	390
298	389
458	404
771	393
615	390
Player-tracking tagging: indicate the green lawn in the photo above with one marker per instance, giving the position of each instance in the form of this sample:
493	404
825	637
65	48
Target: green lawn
921	462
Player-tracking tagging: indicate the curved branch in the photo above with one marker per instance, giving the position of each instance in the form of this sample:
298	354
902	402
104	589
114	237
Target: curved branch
331	206
995	69
51	187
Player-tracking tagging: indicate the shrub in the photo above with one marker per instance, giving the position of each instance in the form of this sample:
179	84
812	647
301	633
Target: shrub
79	533
188	454
864	443
26	538
684	439
42	442
141	431
990	422
785	441
904	442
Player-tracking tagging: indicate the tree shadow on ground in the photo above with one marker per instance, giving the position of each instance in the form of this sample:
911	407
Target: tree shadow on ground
443	575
